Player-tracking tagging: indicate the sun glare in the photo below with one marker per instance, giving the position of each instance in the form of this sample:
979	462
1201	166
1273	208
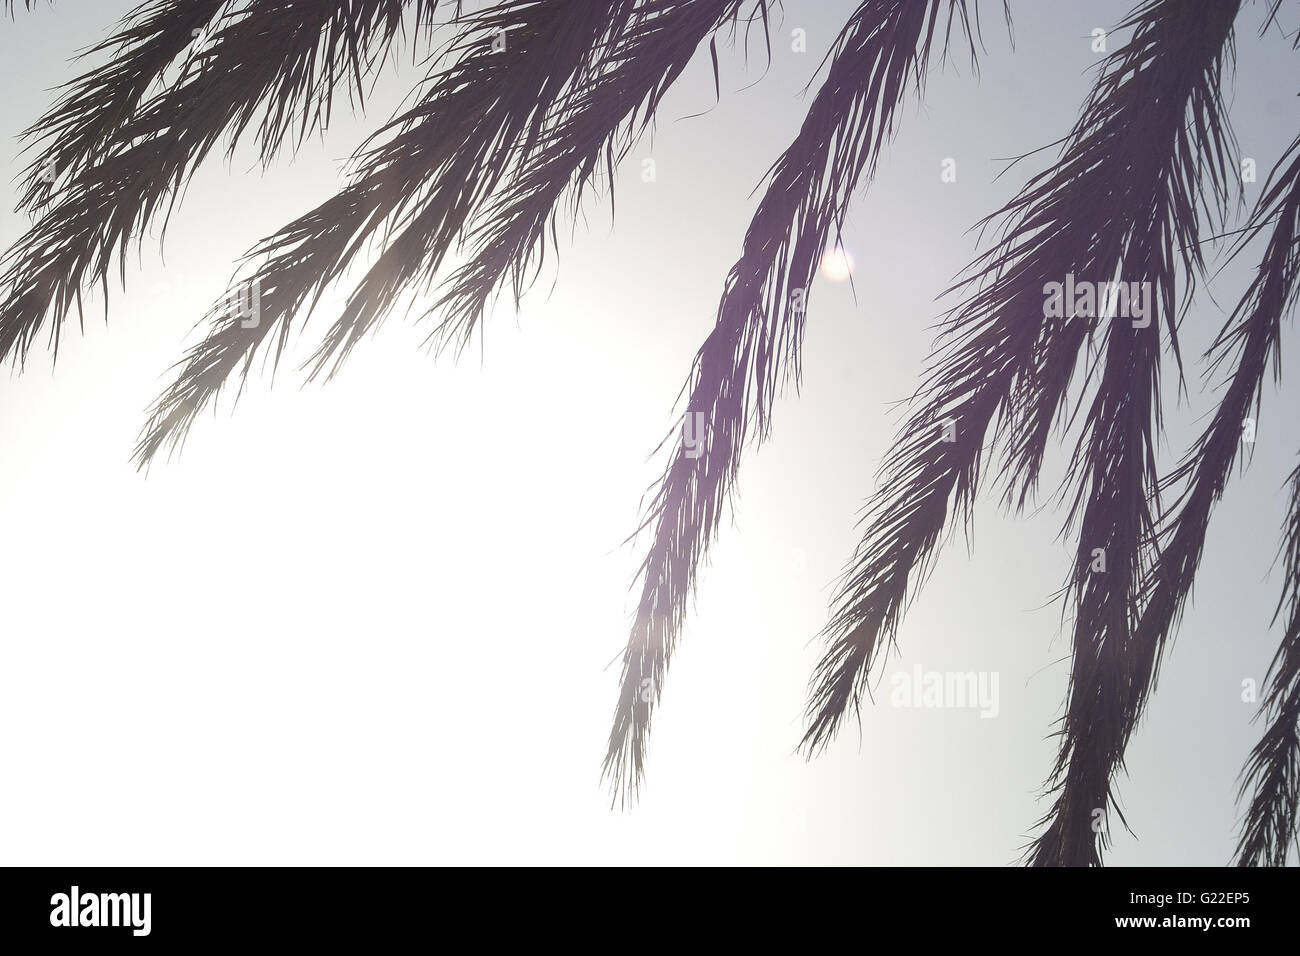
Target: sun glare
837	264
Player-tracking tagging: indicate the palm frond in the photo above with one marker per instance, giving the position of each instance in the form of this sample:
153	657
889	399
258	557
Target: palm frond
274	58
1176	57
439	162
754	346
589	129
1097	214
565	64
73	133
1124	671
1272	772
1250	342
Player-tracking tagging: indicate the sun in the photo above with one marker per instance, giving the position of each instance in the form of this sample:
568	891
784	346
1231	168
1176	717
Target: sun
837	264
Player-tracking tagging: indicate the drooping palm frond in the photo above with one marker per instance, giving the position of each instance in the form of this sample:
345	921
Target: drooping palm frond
274	58
1272	773
439	162
566	115
1177	56
754	346
73	133
1249	343
542	98
491	120
593	126
1125	178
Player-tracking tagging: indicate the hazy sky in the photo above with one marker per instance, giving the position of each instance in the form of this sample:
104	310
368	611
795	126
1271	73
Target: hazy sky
372	622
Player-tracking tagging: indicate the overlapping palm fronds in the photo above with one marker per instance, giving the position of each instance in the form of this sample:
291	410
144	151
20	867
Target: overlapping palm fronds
1175	61
440	159
273	58
532	102
1272	773
754	346
593	124
1001	360
76	132
522	121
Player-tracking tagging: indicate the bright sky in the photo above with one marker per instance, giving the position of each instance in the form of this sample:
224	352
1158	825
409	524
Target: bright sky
370	622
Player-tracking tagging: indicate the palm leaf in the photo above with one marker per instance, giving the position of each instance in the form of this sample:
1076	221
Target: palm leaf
440	161
568	57
999	359
1272	772
274	58
754	346
74	133
592	126
1176	57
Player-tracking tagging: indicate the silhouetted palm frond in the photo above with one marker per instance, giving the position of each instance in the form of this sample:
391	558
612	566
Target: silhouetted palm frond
594	123
502	135
274	58
1126	674
1273	771
1103	212
441	159
1171	73
74	133
754	346
1249	342
524	110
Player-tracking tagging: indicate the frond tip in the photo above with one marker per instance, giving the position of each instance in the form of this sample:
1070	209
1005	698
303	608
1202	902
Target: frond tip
754	347
1272	774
